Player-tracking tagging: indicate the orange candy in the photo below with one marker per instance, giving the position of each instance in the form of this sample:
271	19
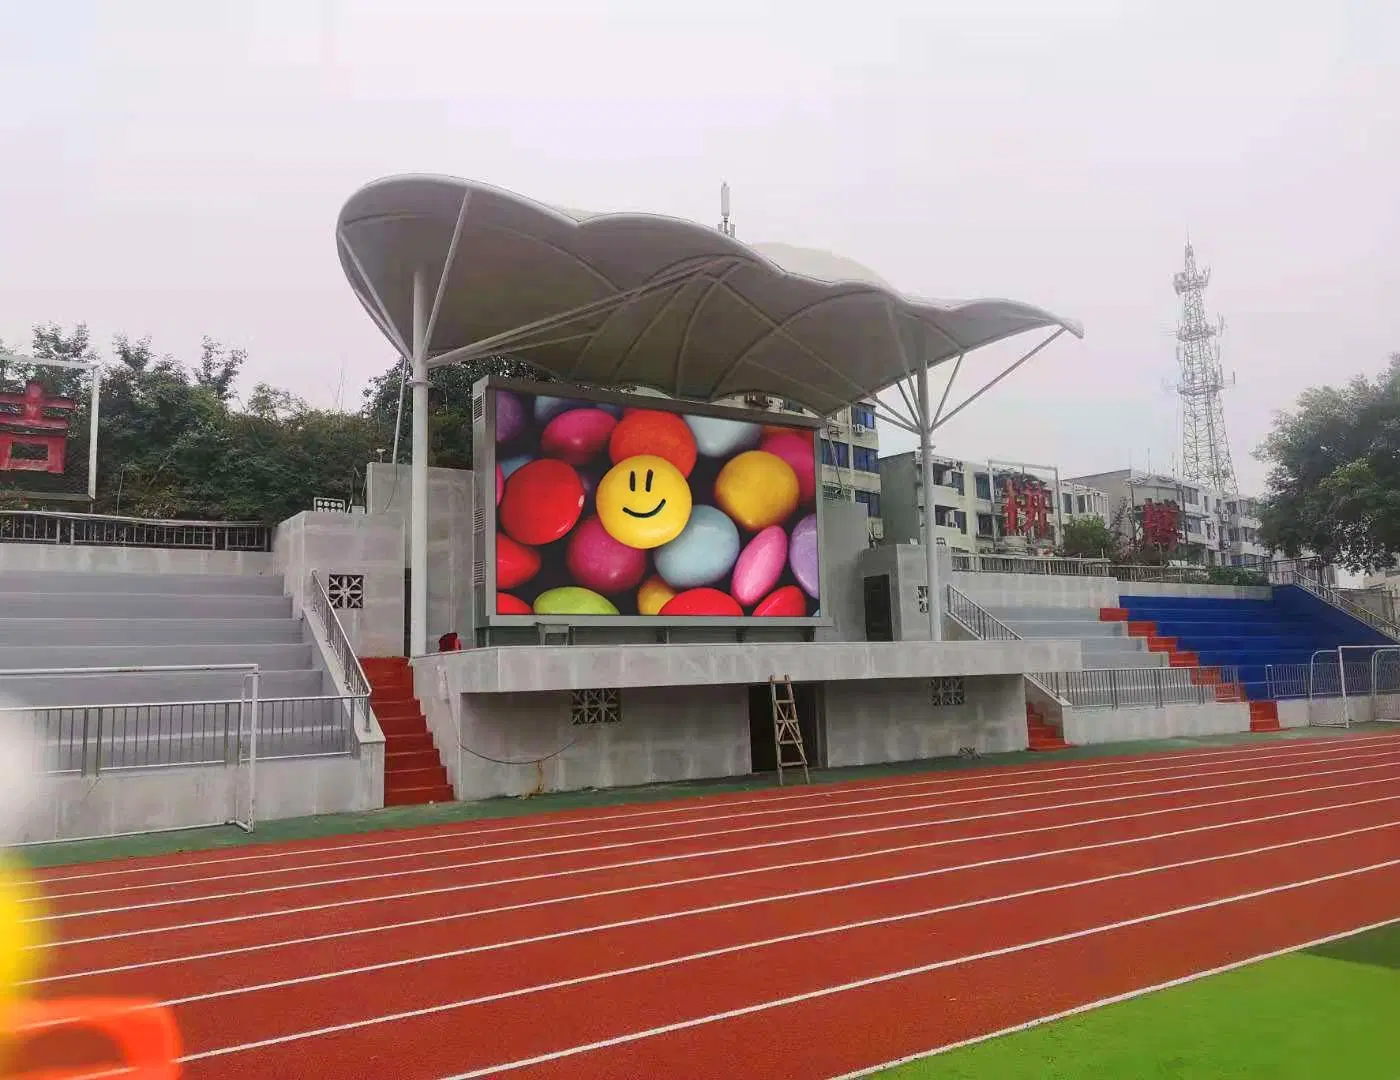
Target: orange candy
649	431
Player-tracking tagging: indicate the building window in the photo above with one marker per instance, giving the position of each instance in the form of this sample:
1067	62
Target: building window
982	484
866	459
945	690
863	415
986	530
595	706
832	493
961	519
346	591
870	500
837	454
955	481
1082	505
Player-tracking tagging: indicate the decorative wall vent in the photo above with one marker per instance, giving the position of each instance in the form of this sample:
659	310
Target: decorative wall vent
947	690
596	706
346	591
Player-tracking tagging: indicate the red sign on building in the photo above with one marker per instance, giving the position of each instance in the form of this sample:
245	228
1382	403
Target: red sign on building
34	431
1026	511
1161	524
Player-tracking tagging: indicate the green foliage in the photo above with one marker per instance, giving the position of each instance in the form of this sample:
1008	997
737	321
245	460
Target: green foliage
1088	538
1235	575
449	407
1334	478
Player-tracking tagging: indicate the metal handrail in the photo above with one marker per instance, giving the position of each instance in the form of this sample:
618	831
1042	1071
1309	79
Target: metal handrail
984	626
1334	597
65	527
1114	688
339	641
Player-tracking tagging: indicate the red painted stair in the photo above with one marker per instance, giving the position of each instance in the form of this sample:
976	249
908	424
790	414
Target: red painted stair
413	770
1043	736
1263	716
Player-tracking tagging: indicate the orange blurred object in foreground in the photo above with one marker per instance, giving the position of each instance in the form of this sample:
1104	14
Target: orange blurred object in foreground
145	1035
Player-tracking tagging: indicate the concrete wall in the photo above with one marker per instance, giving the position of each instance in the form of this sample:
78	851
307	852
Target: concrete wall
72	807
368	544
1218	592
81	558
907	568
1037	590
845	539
389	490
664	734
1086	727
1325	711
893	720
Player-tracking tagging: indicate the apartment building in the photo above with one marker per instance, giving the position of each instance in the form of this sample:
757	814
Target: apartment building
969	499
850	453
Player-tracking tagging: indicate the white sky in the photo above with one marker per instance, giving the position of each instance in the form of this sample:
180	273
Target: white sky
174	168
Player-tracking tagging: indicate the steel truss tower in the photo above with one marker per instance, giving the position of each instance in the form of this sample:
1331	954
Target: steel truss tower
1205	448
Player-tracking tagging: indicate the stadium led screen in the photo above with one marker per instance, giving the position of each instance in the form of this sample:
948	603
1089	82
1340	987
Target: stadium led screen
618	509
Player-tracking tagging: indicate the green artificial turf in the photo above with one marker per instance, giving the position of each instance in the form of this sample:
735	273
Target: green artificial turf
1331	1011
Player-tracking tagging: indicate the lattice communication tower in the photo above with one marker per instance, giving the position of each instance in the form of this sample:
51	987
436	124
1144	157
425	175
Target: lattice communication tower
1205	447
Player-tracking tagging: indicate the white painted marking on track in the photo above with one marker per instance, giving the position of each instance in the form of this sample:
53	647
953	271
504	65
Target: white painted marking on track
1312	811
204	879
1116	999
923	969
453	954
469	886
699	804
451	1006
655	841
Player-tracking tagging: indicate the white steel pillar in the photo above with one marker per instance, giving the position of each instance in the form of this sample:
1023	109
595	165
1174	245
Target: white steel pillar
925	418
418	471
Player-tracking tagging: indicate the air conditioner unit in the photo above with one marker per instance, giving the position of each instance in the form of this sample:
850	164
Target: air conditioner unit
860	429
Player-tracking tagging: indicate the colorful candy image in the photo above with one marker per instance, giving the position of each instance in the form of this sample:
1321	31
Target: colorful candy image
607	510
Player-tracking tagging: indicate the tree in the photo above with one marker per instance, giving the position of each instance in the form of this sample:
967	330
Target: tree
1334	477
1088	538
449	407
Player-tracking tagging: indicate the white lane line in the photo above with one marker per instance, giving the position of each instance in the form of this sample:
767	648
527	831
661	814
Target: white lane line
417	894
1055	789
737	905
687	856
697	805
859	883
915	801
1116	999
1390	757
786	939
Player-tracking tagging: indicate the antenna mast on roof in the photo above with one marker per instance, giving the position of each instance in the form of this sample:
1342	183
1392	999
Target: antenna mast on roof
1205	448
725	225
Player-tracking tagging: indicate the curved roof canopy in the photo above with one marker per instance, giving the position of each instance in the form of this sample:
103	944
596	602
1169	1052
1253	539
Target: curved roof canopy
609	299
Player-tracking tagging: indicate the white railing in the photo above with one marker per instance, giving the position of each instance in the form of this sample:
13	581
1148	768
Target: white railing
1029	564
984	626
352	674
1114	688
1335	598
112	530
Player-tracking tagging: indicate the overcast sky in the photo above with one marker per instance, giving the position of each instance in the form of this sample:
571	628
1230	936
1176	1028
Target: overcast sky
175	167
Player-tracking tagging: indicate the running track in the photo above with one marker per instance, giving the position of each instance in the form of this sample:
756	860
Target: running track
802	932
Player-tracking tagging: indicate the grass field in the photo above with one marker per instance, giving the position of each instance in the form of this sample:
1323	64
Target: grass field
1333	1010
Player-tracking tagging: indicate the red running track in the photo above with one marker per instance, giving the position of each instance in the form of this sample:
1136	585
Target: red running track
850	925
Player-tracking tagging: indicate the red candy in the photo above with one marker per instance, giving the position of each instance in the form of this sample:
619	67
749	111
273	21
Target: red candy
510	605
542	501
796	450
515	563
789	602
600	563
647	431
702	602
577	436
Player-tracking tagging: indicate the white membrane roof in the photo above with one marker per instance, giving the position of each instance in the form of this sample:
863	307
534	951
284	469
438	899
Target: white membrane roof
643	299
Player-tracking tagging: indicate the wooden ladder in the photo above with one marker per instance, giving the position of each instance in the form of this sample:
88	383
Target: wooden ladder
787	734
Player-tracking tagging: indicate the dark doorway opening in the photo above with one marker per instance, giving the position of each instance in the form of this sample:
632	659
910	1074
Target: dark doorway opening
879	611
763	753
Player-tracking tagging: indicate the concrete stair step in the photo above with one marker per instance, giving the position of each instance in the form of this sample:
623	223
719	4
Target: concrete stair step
273	657
417	742
397	762
418	796
52	581
397	710
431	776
39	691
80	605
78	632
402	725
